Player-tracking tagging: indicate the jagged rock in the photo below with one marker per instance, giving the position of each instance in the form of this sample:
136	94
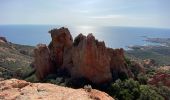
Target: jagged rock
137	68
85	58
42	63
14	89
118	65
61	41
90	59
3	40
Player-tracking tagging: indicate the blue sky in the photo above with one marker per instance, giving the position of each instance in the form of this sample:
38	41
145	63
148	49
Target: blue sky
139	13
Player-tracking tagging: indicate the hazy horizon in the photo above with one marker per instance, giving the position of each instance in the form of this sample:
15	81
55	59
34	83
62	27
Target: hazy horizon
98	13
114	37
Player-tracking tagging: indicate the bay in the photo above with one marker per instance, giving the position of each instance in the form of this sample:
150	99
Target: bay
114	36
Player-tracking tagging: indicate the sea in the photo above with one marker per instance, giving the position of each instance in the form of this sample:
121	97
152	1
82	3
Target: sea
113	36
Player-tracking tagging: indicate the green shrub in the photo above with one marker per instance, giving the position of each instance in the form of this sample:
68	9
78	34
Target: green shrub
128	62
149	94
125	90
131	90
142	79
163	90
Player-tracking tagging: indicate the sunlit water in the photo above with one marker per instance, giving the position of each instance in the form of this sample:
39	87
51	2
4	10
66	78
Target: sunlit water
115	37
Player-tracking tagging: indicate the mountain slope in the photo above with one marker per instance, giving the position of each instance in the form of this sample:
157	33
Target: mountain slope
15	60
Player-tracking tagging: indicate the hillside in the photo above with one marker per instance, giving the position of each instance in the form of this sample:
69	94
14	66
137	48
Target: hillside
15	60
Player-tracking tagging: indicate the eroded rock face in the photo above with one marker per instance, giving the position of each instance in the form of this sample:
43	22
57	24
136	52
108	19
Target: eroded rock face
137	68
86	57
42	63
90	59
14	89
61	41
118	65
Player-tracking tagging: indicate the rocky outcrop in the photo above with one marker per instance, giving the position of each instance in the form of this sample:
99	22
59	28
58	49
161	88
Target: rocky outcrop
160	79
14	89
90	59
61	42
86	57
137	68
118	66
42	63
3	40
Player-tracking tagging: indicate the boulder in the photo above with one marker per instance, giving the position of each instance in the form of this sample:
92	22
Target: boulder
90	60
42	63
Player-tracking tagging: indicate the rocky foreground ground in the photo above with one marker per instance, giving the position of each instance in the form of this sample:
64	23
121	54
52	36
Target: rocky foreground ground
14	89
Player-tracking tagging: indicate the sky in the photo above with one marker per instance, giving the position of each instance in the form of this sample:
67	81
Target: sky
138	13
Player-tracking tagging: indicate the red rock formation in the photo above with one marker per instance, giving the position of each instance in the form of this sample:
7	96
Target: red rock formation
14	89
61	41
137	67
118	65
90	60
160	78
85	58
42	63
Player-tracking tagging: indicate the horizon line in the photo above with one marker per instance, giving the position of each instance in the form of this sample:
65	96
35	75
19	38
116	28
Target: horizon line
88	25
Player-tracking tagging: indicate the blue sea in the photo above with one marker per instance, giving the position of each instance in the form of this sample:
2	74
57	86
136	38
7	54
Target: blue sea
114	37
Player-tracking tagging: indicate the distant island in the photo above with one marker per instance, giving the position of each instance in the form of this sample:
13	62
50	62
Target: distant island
162	41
